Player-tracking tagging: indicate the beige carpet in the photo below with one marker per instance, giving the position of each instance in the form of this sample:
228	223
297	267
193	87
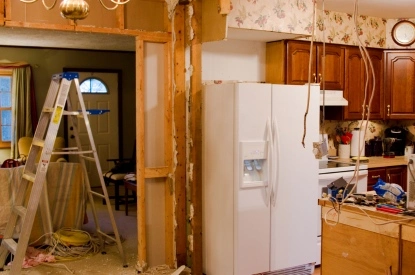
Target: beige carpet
111	262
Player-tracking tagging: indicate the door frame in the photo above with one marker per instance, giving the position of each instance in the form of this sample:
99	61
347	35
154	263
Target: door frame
119	93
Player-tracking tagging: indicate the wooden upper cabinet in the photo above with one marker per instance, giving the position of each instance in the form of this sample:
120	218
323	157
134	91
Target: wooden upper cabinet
334	66
298	58
356	79
288	62
400	84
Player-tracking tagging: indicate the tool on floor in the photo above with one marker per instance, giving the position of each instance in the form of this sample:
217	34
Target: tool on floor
34	175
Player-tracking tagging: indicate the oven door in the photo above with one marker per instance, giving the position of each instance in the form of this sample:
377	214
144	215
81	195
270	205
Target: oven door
326	179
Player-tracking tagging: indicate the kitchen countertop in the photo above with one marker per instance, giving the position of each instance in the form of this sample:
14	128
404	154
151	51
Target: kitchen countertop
377	162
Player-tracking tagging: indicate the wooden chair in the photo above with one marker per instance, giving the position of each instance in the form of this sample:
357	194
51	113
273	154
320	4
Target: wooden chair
24	144
116	176
129	185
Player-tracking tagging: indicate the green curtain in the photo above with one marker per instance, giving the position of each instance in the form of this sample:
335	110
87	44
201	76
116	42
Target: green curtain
22	125
24	113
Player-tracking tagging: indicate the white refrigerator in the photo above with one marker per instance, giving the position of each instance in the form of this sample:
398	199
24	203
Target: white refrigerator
259	182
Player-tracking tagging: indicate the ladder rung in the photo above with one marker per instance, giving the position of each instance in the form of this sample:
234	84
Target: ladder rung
97	194
69	149
20	210
79	152
71	113
48	110
106	235
88	158
29	176
10	244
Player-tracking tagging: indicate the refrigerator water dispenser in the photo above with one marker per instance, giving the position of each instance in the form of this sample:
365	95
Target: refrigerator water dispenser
254	163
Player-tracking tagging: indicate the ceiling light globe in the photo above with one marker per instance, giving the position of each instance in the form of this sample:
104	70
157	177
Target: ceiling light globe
74	9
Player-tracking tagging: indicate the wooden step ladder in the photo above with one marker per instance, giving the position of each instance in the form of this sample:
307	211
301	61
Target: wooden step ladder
34	175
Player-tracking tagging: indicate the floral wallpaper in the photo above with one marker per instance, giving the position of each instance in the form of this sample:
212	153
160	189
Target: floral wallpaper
339	28
272	15
296	16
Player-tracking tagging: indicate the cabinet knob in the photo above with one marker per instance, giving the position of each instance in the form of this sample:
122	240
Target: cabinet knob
315	78
319	78
389	109
376	177
389	178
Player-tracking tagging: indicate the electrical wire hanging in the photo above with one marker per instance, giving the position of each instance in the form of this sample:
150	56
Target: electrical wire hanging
309	74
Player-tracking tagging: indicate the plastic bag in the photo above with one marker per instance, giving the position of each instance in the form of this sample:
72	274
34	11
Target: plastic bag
390	191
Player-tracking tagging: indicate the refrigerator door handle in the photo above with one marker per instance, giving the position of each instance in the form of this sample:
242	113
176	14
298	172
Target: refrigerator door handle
268	189
275	167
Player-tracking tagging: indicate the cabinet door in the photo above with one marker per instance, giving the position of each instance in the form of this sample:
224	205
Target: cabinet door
298	56
355	84
334	66
377	106
396	174
400	85
373	176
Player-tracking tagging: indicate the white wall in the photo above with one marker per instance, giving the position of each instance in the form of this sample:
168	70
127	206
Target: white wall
233	60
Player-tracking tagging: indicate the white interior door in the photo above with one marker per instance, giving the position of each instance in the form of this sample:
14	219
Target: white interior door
104	127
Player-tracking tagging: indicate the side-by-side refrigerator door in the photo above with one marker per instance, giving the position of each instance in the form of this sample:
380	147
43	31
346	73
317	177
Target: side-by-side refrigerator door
294	207
251	166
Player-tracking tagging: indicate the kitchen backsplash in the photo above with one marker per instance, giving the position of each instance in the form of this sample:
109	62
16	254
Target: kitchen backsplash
375	128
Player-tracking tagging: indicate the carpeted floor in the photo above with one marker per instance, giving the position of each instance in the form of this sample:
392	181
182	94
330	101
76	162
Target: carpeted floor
111	262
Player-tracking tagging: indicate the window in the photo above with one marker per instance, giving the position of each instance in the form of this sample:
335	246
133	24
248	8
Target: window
5	108
93	86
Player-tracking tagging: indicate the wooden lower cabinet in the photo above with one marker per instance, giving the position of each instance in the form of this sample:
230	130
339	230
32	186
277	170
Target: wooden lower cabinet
391	174
370	242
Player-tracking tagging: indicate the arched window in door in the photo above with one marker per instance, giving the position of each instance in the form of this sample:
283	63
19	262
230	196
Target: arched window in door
93	85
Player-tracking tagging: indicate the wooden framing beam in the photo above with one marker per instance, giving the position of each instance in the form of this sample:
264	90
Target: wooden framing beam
180	136
141	190
168	156
196	138
161	37
166	171
2	12
224	6
120	15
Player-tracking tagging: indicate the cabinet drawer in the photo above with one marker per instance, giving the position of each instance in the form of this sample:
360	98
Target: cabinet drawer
374	175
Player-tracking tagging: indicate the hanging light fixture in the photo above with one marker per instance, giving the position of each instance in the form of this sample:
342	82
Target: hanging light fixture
76	9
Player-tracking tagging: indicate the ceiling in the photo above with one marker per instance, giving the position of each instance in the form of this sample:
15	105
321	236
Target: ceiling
96	41
388	9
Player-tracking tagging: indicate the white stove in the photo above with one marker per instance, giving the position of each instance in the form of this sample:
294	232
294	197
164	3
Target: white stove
331	166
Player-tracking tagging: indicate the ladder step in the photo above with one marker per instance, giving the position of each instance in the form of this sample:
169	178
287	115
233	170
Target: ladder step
20	210
88	158
78	152
29	176
48	109
71	113
10	244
